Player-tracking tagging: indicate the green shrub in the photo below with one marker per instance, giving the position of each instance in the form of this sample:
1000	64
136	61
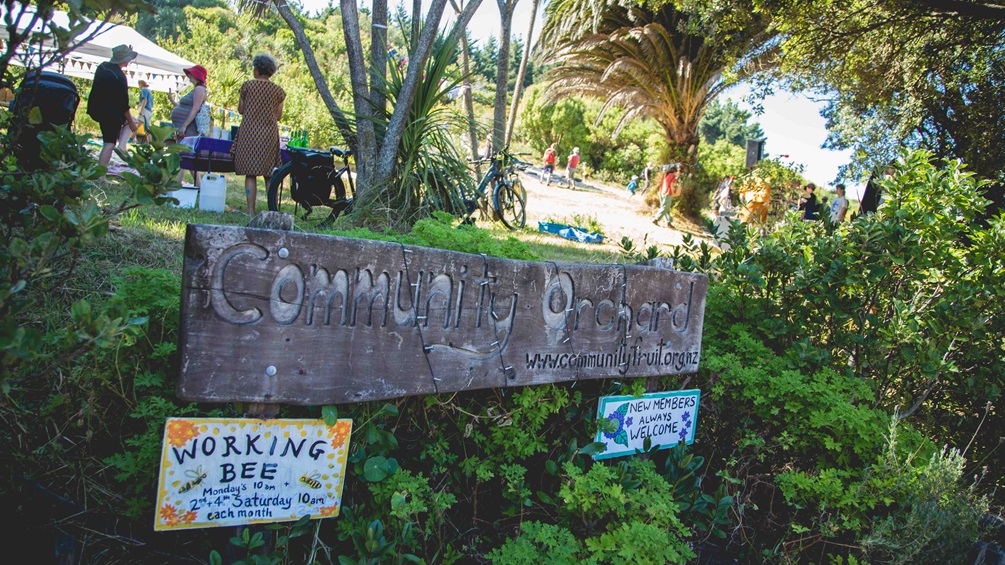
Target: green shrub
623	513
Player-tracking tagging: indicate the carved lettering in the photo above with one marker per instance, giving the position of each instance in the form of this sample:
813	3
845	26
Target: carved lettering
557	301
310	319
217	295
287	311
326	288
371	294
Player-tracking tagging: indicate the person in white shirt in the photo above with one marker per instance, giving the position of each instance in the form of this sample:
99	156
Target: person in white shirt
839	207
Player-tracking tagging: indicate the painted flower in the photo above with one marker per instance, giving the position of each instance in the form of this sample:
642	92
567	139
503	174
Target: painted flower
169	515
685	417
620	419
683	434
187	518
628	422
179	432
326	511
340	432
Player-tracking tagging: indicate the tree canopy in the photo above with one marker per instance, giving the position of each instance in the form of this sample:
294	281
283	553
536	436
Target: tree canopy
663	60
922	73
725	120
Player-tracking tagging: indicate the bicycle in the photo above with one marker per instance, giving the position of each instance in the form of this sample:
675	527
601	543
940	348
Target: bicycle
509	198
306	183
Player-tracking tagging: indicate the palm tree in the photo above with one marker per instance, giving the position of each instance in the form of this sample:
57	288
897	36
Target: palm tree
660	60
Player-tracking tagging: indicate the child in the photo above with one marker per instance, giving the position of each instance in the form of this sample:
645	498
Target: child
633	185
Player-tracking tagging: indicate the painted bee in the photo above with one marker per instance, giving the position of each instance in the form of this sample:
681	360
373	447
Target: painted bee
197	477
312	480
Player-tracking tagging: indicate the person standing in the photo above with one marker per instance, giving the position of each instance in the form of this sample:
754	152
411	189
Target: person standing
549	163
487	150
570	167
145	107
632	185
188	106
668	191
108	102
808	206
722	195
256	149
646	176
840	205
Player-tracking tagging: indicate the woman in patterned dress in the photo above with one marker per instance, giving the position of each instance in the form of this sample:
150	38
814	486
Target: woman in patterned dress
256	149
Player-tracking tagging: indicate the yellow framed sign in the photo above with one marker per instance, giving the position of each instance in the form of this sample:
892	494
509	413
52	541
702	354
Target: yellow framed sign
228	472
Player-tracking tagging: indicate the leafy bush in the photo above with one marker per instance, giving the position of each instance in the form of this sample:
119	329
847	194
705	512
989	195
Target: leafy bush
816	334
623	513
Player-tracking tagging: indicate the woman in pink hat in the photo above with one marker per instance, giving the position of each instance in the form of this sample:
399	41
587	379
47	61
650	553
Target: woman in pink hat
185	109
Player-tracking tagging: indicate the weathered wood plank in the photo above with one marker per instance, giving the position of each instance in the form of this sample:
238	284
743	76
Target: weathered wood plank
279	317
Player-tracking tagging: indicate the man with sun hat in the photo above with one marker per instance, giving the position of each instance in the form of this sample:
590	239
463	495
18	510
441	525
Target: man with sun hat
108	102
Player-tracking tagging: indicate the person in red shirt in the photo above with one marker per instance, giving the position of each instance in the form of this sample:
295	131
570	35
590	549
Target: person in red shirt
570	168
668	190
549	163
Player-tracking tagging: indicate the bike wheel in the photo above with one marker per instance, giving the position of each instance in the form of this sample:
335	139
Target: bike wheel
282	187
510	204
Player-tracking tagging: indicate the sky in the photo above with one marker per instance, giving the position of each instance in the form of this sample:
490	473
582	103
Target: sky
792	123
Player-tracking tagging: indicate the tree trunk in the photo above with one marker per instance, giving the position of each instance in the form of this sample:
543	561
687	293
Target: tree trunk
414	40
341	121
521	74
502	72
378	54
396	126
366	153
469	107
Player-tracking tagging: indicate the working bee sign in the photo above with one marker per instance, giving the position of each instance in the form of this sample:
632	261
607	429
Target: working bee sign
228	472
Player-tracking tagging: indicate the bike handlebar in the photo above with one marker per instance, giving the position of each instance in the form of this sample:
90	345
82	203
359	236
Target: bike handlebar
336	151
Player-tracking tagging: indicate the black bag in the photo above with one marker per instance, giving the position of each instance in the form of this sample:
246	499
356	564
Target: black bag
56	98
313	173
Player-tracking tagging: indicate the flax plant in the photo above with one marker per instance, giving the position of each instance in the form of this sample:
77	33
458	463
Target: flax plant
431	168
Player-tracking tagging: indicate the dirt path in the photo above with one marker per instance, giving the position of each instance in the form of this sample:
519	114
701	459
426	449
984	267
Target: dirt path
619	215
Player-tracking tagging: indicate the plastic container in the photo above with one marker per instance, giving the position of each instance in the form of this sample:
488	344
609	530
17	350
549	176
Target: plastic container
213	192
186	196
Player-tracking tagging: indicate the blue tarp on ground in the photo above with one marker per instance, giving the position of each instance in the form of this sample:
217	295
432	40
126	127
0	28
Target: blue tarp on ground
571	232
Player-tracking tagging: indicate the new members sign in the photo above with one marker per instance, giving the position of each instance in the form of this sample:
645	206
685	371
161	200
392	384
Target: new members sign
666	418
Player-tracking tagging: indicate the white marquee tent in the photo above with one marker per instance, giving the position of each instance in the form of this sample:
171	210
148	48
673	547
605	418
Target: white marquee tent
160	68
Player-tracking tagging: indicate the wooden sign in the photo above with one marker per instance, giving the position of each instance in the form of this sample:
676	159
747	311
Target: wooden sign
665	418
281	317
227	472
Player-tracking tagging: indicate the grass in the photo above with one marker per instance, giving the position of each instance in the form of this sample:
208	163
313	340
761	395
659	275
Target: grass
153	236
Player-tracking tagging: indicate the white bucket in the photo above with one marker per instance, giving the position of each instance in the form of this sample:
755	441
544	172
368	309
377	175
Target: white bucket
213	192
216	132
186	196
